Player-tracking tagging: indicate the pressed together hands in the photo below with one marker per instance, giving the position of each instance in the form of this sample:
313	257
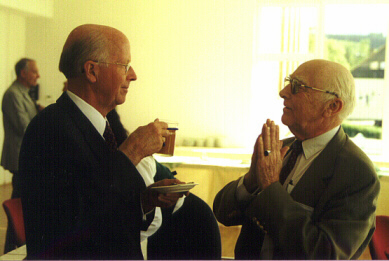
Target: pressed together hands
143	142
265	170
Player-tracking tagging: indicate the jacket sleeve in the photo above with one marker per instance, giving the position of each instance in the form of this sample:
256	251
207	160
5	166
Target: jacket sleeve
226	207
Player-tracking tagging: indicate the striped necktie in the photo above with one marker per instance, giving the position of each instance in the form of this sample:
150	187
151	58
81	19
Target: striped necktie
110	137
297	148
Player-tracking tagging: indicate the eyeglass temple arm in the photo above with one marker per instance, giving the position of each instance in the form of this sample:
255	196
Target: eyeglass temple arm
333	93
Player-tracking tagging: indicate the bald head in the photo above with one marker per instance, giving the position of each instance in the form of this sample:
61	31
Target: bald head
334	77
88	42
327	99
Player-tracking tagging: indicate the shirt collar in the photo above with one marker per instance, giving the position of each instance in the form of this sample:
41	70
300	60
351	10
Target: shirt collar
317	144
95	117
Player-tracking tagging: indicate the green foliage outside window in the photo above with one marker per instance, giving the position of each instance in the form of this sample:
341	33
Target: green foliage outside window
368	131
347	53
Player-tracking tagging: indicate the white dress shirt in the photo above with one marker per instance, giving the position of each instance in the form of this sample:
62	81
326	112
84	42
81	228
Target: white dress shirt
95	117
147	168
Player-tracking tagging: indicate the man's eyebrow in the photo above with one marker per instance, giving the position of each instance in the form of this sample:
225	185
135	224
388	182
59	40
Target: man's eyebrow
299	80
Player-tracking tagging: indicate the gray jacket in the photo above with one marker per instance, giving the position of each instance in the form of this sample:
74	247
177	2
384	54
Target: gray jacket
18	110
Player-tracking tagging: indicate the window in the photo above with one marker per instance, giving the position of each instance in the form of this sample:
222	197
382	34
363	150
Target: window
359	44
351	34
286	36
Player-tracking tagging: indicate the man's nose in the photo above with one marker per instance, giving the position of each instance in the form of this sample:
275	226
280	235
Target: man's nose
285	91
131	75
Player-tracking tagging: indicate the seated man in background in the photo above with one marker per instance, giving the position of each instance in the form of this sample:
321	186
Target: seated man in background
150	170
318	201
168	232
82	196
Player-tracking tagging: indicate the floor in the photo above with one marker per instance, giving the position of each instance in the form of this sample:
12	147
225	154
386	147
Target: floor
229	235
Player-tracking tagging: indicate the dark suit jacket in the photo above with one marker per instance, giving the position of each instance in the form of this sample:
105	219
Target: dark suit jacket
80	200
341	187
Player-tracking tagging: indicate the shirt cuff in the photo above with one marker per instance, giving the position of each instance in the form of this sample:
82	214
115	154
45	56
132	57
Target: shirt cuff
242	194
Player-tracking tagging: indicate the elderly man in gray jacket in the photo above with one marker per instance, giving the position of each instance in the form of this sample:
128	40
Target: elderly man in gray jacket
18	110
316	201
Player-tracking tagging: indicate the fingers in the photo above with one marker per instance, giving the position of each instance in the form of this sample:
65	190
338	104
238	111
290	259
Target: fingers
270	138
168	199
273	136
270	134
266	137
163	126
160	130
165	182
261	155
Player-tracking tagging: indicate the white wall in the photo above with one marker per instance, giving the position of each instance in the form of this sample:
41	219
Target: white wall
42	8
12	48
192	58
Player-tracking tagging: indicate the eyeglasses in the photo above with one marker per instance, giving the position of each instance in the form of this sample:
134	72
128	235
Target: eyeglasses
296	87
127	66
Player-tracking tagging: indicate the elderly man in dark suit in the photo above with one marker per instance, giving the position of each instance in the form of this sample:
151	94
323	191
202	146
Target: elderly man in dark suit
316	200
82	196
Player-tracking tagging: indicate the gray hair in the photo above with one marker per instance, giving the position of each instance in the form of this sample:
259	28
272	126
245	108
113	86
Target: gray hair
94	46
340	80
21	65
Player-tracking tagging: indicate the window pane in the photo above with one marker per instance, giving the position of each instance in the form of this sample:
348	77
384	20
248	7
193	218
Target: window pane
286	30
355	36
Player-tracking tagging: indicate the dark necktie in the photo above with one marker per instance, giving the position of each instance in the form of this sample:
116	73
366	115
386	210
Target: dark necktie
110	137
297	148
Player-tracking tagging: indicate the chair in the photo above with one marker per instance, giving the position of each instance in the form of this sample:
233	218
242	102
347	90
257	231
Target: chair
379	244
190	233
13	209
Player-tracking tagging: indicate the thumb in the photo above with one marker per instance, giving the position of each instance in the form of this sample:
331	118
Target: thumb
284	150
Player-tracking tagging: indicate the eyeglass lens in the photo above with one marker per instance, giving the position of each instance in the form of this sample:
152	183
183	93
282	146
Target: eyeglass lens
128	67
295	86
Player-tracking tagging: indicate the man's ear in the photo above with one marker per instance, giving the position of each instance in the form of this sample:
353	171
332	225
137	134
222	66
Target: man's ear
91	71
333	107
23	74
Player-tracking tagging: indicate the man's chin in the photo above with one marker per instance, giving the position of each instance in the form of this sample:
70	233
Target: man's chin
285	120
121	100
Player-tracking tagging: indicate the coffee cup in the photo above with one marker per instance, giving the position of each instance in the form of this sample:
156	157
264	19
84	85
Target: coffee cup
169	144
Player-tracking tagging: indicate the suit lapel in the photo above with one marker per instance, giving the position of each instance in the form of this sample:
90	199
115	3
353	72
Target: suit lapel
28	98
28	102
314	181
91	135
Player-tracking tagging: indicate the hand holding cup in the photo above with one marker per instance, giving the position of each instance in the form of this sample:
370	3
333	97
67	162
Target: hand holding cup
145	141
